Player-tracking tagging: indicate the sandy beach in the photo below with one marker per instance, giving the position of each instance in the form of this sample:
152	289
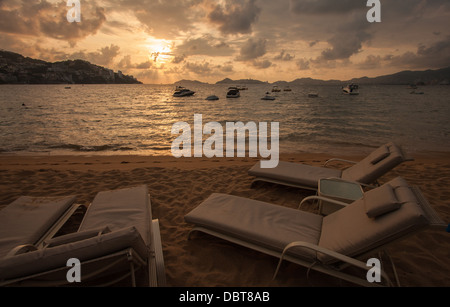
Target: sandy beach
179	185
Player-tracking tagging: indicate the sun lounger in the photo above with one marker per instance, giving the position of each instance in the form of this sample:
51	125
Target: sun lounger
326	244
366	171
117	240
27	222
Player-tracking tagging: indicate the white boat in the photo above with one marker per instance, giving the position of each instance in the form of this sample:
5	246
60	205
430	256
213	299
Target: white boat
313	95
275	89
233	92
182	92
351	89
268	97
212	97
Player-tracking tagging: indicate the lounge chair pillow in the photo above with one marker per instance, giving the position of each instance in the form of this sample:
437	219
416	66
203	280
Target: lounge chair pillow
77	236
380	201
379	155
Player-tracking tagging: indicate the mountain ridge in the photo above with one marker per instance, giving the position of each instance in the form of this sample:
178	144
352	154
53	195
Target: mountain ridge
406	77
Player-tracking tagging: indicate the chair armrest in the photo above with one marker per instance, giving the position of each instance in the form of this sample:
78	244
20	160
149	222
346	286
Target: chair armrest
341	257
21	249
370	186
315	197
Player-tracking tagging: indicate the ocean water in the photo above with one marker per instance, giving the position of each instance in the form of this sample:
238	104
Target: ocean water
137	119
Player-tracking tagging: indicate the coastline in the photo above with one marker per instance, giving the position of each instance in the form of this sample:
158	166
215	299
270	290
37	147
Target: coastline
179	185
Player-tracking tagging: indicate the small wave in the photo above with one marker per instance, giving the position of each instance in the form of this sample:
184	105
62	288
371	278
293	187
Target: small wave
92	148
160	148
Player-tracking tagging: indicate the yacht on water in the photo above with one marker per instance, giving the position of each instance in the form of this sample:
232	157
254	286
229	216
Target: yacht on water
268	97
276	89
212	97
182	92
233	92
351	89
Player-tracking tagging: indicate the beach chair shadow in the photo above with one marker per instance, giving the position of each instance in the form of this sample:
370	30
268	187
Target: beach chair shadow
365	172
328	244
118	243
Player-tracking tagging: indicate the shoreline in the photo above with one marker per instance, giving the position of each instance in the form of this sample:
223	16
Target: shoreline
179	185
114	161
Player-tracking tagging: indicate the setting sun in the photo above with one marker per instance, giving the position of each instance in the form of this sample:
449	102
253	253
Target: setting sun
160	51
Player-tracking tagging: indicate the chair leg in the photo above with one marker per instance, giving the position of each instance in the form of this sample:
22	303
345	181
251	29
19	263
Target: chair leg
133	277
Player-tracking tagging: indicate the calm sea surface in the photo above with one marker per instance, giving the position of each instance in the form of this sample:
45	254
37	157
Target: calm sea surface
137	119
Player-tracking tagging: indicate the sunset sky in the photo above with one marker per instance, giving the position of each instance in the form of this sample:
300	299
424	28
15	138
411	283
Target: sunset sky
208	40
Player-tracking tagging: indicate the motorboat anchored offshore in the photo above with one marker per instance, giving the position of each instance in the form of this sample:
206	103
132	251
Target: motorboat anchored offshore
182	92
233	92
276	89
212	97
351	89
268	97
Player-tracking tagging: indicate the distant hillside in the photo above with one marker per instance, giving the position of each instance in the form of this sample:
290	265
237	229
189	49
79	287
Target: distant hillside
17	69
427	77
240	81
309	81
188	83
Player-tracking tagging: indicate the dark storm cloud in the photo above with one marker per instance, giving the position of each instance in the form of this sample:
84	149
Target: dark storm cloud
261	64
437	55
342	24
302	64
39	17
163	19
326	6
235	16
252	52
252	49
284	56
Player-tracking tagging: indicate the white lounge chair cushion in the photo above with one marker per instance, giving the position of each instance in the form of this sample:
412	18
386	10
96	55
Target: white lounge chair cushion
380	201
257	222
295	173
351	232
119	209
375	165
56	257
368	170
27	219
